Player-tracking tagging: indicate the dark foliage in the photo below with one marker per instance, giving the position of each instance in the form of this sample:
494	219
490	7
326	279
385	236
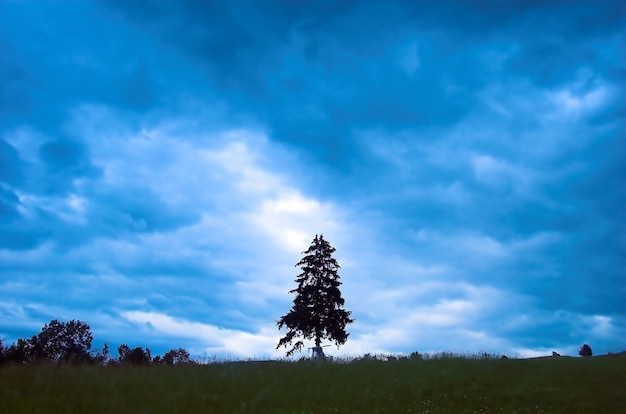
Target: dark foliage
102	357
585	351
122	352
139	356
416	355
19	352
176	356
135	356
70	342
63	341
317	311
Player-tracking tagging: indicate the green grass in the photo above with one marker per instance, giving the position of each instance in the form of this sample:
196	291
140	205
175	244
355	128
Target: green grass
446	385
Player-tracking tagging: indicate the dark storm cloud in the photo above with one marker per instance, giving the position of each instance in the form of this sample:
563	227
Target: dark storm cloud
322	76
474	145
64	161
318	71
306	65
16	231
67	61
135	210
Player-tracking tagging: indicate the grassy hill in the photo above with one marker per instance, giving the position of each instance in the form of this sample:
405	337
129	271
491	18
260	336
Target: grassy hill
445	385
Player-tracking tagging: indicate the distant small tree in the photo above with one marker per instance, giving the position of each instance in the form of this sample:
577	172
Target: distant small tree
585	351
317	312
176	356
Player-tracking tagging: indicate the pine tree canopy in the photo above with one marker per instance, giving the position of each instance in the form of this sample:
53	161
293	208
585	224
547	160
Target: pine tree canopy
317	311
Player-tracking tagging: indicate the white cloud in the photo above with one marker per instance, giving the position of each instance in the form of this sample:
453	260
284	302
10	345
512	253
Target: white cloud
582	97
496	172
292	220
27	141
241	163
431	316
228	173
218	341
600	326
571	103
523	352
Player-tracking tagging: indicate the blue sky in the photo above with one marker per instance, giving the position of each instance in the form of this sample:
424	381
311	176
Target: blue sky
164	164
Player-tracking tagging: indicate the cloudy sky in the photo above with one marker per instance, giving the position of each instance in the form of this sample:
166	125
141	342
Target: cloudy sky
164	164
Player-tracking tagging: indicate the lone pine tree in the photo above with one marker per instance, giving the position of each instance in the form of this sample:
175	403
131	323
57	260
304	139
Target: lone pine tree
317	310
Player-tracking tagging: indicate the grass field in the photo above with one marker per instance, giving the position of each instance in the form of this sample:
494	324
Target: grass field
445	385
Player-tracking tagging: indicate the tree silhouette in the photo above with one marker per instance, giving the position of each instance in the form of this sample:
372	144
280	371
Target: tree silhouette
19	352
62	341
122	351
585	351
317	310
176	356
135	356
138	356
